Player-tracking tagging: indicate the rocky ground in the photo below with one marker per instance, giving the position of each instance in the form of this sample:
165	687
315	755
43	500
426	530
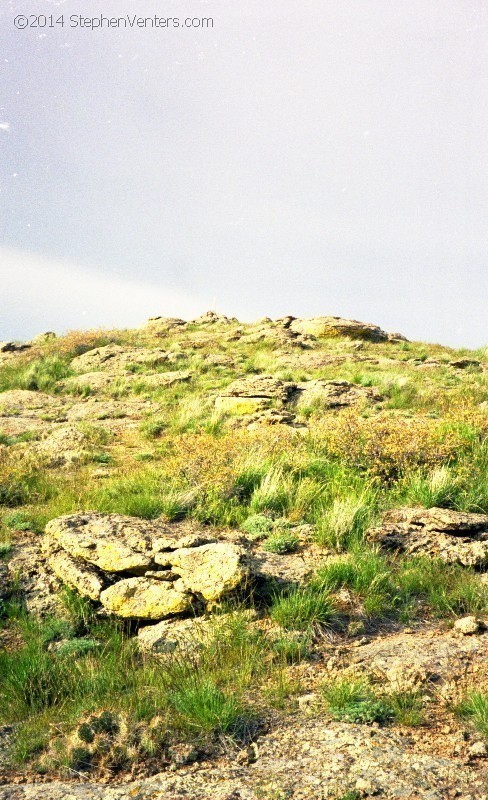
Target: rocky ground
182	475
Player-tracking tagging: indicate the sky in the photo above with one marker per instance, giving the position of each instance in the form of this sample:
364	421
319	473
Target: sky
327	157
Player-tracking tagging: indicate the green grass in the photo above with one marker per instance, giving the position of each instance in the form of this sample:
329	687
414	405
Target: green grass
46	689
355	701
302	608
202	706
404	588
474	708
39	374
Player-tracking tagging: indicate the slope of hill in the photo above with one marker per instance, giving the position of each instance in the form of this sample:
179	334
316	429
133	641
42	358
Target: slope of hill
243	561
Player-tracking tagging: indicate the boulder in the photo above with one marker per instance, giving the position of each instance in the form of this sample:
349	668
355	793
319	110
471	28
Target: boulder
212	570
467	626
169	635
93	551
464	363
188	635
212	318
98	381
144	598
162	325
452	536
329	327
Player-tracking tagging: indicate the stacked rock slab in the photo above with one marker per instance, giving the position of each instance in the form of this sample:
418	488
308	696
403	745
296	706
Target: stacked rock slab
452	536
248	395
139	569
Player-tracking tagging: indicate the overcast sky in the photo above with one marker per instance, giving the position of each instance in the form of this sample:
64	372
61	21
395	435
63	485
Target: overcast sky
312	157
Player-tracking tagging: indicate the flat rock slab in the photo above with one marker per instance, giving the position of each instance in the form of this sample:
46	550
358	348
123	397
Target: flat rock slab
95	408
111	542
308	759
452	536
115	358
26	403
63	446
72	572
329	327
411	661
100	381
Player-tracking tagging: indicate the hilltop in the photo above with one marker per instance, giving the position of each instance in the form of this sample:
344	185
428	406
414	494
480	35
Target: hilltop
243	562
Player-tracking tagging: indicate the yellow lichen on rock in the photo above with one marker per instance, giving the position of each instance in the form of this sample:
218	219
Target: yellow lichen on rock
143	598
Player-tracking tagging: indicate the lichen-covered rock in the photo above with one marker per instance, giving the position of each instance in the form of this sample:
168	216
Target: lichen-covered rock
241	405
75	573
170	635
144	598
467	626
111	542
212	570
452	536
333	394
410	661
94	408
329	327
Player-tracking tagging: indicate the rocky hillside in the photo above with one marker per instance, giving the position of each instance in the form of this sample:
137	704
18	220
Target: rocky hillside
243	562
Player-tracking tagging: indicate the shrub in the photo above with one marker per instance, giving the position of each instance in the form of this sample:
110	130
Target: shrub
257	526
281	542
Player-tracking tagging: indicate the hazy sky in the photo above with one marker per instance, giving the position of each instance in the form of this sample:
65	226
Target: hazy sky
312	157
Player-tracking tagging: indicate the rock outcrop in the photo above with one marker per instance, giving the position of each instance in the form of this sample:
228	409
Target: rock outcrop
139	569
452	536
248	395
329	327
333	394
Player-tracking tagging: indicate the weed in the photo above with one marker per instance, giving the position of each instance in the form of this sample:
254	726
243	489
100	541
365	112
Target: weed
354	701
